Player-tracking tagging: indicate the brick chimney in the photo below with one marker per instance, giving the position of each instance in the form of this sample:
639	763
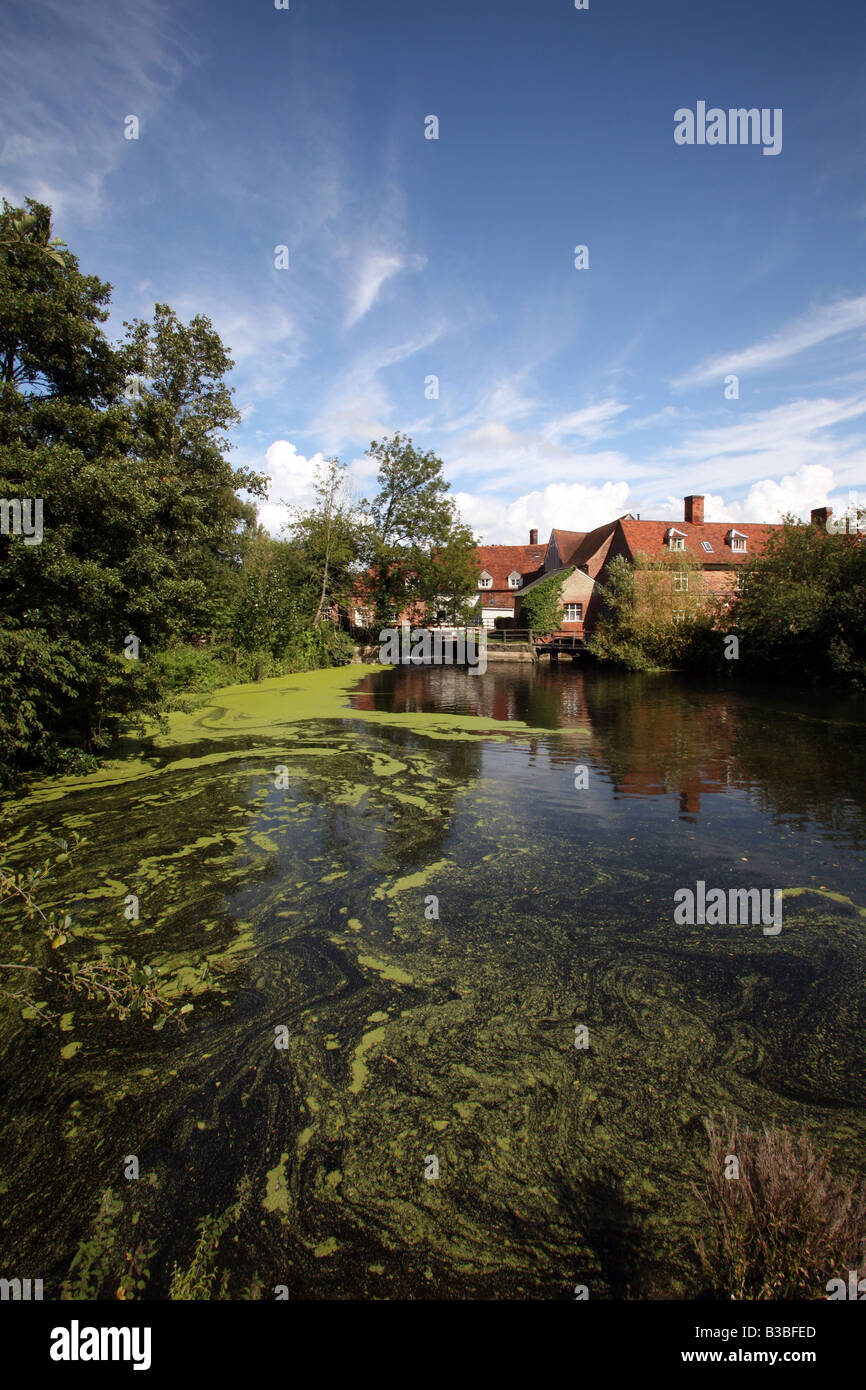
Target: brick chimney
820	516
533	537
694	510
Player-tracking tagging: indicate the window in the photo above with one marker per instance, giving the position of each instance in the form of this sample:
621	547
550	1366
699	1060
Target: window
741	582
485	581
676	539
514	580
680	615
681	581
707	547
736	540
574	612
363	617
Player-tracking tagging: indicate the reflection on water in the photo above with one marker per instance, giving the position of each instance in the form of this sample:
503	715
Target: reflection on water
801	756
429	907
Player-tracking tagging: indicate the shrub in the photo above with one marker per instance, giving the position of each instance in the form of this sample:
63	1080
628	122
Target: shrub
785	1226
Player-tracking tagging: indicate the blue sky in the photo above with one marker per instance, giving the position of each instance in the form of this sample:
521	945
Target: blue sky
566	396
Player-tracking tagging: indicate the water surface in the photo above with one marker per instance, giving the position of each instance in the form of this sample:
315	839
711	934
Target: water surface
291	845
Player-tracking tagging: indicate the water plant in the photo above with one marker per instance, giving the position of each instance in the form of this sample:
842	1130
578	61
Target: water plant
780	1223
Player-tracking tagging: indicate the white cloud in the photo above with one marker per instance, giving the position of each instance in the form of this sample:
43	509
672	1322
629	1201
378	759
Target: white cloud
505	458
590	423
570	506
376	269
359	407
292	480
769	500
780	427
811	329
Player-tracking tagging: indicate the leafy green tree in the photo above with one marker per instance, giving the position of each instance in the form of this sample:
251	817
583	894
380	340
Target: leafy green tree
140	515
51	344
656	614
801	613
417	549
328	536
182	410
275	598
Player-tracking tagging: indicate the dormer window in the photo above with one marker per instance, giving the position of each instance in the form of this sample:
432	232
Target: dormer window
485	580
676	539
515	580
737	540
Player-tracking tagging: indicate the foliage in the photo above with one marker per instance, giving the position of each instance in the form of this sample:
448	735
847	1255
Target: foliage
198	1281
116	982
802	612
95	1264
540	606
415	548
143	529
327	541
785	1226
657	614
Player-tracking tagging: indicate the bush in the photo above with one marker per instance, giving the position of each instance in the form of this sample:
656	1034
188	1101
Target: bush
785	1226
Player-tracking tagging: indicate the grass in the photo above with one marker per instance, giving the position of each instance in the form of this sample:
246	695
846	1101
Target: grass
785	1225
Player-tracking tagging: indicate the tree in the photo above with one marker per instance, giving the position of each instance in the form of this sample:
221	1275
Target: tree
141	516
328	536
50	340
417	549
656	614
801	613
182	409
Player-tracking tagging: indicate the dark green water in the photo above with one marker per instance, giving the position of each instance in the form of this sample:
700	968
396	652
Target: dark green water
409	1037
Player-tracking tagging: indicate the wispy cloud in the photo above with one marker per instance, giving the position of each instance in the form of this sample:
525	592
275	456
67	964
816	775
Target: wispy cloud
358	407
590	423
375	271
97	63
782	427
808	331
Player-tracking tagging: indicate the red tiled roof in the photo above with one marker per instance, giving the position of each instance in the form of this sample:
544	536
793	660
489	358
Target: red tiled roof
650	537
567	543
591	543
501	560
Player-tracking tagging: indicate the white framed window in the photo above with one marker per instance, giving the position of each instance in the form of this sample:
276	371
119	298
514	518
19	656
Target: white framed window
681	581
740	585
737	540
573	613
514	580
707	547
363	617
485	580
680	615
676	539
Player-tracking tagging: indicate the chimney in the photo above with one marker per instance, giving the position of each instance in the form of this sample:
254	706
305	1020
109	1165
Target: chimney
694	510
820	516
533	537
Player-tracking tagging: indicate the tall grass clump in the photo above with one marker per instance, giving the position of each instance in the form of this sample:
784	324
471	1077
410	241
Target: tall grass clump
785	1226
